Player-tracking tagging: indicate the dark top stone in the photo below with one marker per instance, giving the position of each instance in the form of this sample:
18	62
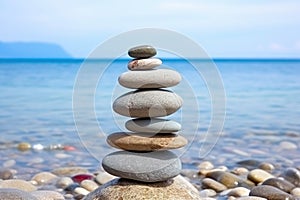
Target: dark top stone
143	51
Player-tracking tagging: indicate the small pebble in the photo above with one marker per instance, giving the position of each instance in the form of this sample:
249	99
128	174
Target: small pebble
296	192
280	184
104	177
266	166
240	171
144	64
270	193
69	148
18	184
80	190
64	182
89	185
292	175
259	175
6	174
285	145
44	177
239	192
212	184
38	147
205	165
24	146
207	193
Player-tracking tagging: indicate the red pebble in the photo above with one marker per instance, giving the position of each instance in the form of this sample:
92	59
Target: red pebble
81	177
69	148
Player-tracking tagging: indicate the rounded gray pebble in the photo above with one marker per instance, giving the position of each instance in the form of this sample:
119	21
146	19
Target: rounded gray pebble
146	167
269	192
147	103
152	125
15	194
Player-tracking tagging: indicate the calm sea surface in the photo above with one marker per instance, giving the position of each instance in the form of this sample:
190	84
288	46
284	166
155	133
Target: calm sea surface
262	110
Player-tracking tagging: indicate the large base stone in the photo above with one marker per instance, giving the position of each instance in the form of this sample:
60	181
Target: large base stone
125	189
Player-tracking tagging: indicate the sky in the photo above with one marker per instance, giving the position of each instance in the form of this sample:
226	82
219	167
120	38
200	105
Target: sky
232	28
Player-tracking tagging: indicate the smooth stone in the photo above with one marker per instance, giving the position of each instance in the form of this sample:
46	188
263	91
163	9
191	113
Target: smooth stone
229	180
144	64
280	184
205	165
47	195
15	194
145	142
147	103
147	167
89	185
24	146
64	182
207	193
296	192
177	188
82	191
259	175
81	177
142	51
270	193
18	184
104	177
72	187
285	145
150	79
69	171
292	175
152	125
44	177
239	192
6	174
212	184
240	171
266	166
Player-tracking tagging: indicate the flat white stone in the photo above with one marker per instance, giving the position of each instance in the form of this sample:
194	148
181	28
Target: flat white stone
155	78
152	125
144	64
147	103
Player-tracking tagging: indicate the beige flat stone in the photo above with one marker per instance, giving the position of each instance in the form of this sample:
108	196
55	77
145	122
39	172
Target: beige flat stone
145	142
177	188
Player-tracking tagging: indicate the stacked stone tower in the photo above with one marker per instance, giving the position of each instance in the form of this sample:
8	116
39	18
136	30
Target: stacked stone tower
145	150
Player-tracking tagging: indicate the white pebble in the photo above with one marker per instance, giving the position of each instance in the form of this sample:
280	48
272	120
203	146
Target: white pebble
296	192
9	163
80	190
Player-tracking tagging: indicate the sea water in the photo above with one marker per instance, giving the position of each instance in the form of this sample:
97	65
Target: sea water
262	109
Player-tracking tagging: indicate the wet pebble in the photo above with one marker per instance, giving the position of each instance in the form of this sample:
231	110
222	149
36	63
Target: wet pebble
280	184
205	165
104	177
240	171
24	146
6	174
269	192
292	175
286	145
207	193
89	185
259	175
266	166
212	184
18	184
81	191
64	182
44	177
296	192
239	192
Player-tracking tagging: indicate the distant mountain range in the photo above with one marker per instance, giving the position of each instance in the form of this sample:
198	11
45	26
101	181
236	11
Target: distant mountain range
32	50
